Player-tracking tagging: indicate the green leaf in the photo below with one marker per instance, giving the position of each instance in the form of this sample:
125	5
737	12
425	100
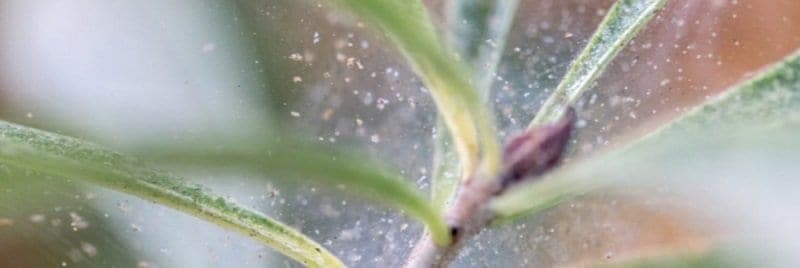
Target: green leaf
467	117
446	172
326	165
770	100
703	160
623	21
477	31
67	157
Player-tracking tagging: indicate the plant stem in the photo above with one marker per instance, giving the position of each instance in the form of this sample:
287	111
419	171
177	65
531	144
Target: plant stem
466	218
527	156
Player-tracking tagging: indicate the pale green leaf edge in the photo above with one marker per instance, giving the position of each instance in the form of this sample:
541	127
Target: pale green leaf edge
446	173
62	156
325	165
620	25
477	31
768	100
469	120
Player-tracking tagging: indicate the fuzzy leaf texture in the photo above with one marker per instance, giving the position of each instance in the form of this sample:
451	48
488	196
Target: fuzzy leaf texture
62	156
326	165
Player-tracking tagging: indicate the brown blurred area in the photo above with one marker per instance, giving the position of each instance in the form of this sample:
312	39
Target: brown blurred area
693	51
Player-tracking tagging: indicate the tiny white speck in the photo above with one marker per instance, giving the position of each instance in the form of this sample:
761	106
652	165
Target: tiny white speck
209	47
296	57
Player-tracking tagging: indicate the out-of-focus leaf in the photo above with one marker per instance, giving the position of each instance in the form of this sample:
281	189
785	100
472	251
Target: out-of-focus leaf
770	100
275	72
446	172
467	117
623	21
477	31
47	222
62	156
697	160
322	164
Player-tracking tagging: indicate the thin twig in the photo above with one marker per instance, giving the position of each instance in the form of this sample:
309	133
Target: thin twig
527	156
467	217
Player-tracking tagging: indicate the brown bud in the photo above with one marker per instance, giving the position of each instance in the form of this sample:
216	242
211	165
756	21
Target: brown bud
537	150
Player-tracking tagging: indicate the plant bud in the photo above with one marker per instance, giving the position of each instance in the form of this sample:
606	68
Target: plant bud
536	151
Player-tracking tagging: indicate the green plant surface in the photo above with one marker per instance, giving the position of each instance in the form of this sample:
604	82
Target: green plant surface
477	31
621	24
446	172
326	165
469	119
769	100
62	156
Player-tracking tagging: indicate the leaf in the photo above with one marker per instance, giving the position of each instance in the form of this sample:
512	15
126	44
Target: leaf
312	162
468	118
67	157
477	31
742	178
446	172
770	100
623	21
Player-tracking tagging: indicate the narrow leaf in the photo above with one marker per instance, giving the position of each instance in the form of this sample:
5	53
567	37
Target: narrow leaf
623	21
357	175
467	117
67	157
446	172
742	178
770	100
477	31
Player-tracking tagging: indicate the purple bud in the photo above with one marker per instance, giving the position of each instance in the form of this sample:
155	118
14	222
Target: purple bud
537	150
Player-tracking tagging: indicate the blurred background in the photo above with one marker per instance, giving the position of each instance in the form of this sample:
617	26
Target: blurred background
137	75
